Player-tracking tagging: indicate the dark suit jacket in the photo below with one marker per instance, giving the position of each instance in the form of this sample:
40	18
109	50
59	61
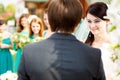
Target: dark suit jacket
60	57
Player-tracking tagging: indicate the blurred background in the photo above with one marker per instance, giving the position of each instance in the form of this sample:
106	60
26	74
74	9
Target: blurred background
11	10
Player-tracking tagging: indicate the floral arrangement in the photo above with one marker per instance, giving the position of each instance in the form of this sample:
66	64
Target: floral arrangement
15	37
113	14
21	39
37	39
9	76
24	39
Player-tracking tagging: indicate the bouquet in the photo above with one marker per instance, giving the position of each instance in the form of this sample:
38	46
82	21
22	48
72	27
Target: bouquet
15	37
37	39
9	76
21	39
113	14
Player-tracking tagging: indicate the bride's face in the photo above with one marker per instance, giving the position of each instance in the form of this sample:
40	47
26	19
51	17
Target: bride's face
96	25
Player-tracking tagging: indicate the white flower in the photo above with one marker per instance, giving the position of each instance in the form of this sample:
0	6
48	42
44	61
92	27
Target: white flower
15	37
113	14
24	39
8	76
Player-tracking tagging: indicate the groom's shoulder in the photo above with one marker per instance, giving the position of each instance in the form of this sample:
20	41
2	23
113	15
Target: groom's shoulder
91	50
33	46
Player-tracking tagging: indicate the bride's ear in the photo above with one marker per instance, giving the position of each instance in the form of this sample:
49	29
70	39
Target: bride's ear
108	22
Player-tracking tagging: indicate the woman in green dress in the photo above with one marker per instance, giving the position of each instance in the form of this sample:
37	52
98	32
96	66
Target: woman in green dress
46	32
23	29
5	45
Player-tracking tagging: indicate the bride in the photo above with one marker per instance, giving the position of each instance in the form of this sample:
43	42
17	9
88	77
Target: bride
98	36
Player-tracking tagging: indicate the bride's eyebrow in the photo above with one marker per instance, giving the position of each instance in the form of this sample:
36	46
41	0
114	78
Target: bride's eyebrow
97	19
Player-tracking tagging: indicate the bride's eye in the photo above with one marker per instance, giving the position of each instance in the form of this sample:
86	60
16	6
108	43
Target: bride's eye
97	21
89	21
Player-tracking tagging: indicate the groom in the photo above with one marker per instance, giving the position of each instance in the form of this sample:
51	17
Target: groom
61	56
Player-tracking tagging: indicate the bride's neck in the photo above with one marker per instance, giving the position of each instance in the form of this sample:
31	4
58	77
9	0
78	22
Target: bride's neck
100	40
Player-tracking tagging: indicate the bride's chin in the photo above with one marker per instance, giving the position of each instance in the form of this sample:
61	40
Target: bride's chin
95	33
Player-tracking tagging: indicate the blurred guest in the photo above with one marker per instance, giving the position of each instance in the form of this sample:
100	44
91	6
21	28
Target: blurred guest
36	28
61	56
23	29
47	32
5	45
23	25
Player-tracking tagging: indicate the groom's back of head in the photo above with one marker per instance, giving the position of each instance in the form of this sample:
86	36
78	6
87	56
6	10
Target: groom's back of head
64	15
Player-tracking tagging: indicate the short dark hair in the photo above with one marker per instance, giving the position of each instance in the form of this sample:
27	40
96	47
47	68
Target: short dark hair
98	9
64	15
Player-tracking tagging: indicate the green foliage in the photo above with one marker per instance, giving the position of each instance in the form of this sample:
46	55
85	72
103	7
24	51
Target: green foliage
9	18
109	1
1	37
7	12
10	8
1	8
115	46
114	57
118	74
112	28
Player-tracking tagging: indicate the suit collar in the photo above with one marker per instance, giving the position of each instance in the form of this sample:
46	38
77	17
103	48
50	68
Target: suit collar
63	36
